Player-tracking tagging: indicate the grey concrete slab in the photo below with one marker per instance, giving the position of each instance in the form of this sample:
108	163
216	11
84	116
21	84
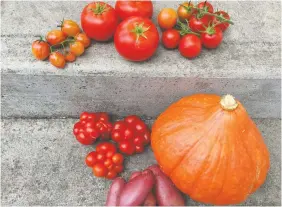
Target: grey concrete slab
43	164
249	58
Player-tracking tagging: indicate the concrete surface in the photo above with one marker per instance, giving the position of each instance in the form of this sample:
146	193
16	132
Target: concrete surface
247	65
43	164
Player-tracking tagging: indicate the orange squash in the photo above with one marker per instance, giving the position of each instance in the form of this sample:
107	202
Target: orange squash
211	149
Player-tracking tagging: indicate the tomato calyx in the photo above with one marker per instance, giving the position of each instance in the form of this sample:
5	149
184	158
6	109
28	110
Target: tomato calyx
99	8
61	23
188	8
210	30
62	44
41	39
140	30
184	29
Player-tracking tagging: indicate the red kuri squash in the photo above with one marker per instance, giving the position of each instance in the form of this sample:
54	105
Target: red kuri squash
211	149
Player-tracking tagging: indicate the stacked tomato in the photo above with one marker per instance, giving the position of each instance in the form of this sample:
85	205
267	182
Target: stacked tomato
198	25
61	46
131	135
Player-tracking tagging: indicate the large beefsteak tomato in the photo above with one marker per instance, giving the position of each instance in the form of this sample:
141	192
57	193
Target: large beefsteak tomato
99	21
136	38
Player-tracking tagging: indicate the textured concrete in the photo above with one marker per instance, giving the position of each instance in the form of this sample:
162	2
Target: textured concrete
247	64
43	164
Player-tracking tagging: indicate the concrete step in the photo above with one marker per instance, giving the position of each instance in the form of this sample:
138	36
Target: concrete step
247	65
43	164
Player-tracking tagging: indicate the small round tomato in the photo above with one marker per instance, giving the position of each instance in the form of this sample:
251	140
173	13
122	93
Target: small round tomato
136	39
171	38
129	8
57	59
55	37
108	162
212	37
119	125
128	134
117	135
126	147
40	49
199	24
100	157
139	140
103	116
82	37
147	137
99	170
106	147
118	168
139	148
111	174
140	127
190	46
91	159
167	18
77	48
222	25
206	6
69	28
83	139
70	57
117	159
131	119
185	11
99	21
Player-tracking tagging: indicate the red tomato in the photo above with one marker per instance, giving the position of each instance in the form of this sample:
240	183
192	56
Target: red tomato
70	57
119	125
99	170
171	38
57	59
100	157
136	39
222	25
99	21
125	9
91	159
40	49
185	11
118	168
190	46
147	137
199	24
117	159
139	140
139	148
131	119
206	6
117	135
212	37
106	147
70	28
82	37
55	37
111	174
167	18
77	48
83	139
108	163
126	147
128	134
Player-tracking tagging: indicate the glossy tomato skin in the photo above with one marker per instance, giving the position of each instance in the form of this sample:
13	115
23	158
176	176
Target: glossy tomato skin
40	49
199	24
82	37
130	46
212	41
206	6
224	25
167	18
70	57
99	26
57	59
70	28
171	38
77	48
190	46
129	8
182	12
55	37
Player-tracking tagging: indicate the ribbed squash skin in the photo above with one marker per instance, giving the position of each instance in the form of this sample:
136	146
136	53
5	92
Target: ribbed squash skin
213	155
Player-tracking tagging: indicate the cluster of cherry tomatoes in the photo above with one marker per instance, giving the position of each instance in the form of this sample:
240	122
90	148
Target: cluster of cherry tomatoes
131	135
198	25
61	46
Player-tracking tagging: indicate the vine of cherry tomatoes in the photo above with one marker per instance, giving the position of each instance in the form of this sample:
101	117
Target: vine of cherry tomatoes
130	134
197	24
61	46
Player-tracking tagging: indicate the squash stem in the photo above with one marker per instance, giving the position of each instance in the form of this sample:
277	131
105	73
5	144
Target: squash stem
228	102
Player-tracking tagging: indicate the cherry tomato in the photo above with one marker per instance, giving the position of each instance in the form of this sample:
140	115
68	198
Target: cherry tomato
100	157
111	174
131	8
55	37
104	117
40	49
167	18
126	147
77	128
185	11
83	139
199	24
131	119
70	57
139	148
190	46
128	134
118	168
99	170
108	162
99	21
106	147
57	59
140	127
91	159
83	116
222	25
82	37
147	137
70	28
117	159
117	135
212	37
77	48
171	38
206	6
119	125
136	39
139	140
